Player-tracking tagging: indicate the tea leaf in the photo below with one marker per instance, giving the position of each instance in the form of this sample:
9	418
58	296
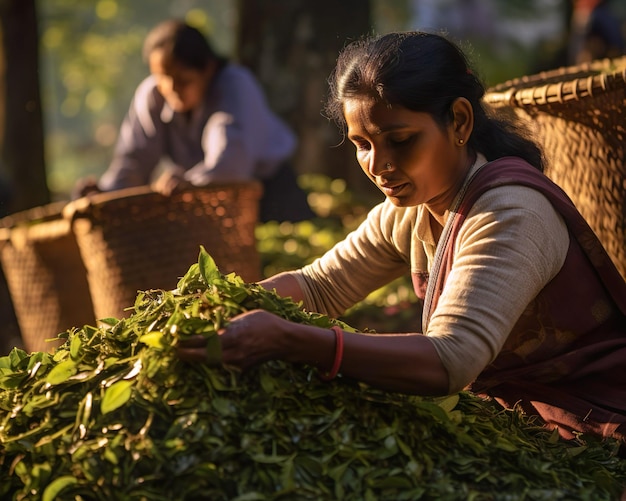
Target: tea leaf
153	339
61	372
208	268
75	346
115	396
51	493
449	403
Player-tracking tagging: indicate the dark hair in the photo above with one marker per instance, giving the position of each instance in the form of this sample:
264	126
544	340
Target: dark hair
424	72
182	43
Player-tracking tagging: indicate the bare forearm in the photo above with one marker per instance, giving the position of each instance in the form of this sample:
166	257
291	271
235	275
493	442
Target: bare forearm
406	363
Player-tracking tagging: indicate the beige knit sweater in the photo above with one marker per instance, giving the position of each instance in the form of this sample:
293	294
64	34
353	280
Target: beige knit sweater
510	246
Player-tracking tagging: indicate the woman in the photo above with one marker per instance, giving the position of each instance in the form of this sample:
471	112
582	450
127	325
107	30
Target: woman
209	118
520	300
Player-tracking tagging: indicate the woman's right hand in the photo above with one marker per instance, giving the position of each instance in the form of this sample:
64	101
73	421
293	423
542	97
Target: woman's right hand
249	339
254	337
408	363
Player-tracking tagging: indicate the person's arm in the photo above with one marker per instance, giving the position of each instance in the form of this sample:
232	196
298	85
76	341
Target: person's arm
406	363
390	361
511	245
227	155
376	253
398	362
140	144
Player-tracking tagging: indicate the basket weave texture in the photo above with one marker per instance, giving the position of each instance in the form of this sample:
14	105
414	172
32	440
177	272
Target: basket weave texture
135	239
578	115
45	275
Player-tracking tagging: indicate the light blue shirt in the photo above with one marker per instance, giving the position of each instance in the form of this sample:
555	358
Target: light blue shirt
232	136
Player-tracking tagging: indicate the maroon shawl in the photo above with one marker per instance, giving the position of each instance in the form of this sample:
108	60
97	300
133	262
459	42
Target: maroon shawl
576	378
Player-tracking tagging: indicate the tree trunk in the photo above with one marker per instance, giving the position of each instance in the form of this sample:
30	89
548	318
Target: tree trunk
22	170
21	123
292	46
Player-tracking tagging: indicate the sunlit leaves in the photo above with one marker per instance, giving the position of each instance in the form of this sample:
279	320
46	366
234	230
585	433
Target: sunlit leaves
114	414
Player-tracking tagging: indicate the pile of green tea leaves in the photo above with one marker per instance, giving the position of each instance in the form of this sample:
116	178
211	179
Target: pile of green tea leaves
114	414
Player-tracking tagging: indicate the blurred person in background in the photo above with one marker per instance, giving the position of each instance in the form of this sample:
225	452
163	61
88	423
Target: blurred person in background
595	32
209	120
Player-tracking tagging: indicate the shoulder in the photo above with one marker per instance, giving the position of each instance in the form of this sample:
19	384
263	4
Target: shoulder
237	86
521	205
514	196
147	95
236	74
511	182
518	196
520	219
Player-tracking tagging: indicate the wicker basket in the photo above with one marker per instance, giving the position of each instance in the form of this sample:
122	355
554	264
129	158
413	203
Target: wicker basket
45	275
579	116
135	239
10	334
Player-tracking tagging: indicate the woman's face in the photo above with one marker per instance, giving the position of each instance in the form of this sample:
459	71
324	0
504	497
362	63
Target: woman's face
427	163
182	87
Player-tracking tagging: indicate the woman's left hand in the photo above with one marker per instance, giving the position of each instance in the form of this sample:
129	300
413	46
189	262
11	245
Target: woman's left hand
249	339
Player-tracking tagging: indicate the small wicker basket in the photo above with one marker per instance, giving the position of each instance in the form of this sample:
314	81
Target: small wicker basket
136	239
45	275
578	114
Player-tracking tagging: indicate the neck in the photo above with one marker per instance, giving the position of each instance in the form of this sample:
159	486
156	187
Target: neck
440	207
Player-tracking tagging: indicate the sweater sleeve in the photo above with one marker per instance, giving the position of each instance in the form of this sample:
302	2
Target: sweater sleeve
511	245
367	259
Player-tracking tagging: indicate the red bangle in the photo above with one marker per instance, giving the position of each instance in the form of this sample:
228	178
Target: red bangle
332	374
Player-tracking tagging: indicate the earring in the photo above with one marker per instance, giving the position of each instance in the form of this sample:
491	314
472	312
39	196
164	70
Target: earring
388	166
461	141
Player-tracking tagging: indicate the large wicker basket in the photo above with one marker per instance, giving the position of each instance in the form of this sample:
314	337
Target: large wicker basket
10	334
579	116
135	239
45	275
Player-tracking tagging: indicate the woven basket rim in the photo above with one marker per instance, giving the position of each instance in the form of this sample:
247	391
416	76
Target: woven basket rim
84	205
561	85
43	213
